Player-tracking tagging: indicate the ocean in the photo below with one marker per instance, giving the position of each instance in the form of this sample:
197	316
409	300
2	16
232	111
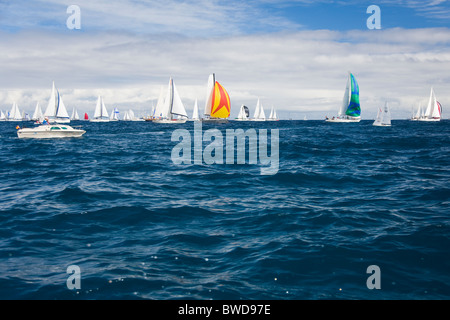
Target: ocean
353	212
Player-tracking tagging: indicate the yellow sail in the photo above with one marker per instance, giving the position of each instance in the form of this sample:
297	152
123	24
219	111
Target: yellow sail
220	102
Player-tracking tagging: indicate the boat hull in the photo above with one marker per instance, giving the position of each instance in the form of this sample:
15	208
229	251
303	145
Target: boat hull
342	120
429	120
215	120
381	125
169	121
99	120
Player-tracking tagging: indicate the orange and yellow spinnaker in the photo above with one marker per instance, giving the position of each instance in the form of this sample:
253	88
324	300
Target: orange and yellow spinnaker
220	102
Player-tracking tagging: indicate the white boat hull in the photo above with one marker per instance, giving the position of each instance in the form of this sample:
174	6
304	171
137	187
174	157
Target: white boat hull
99	120
429	120
215	120
381	125
50	131
337	120
169	121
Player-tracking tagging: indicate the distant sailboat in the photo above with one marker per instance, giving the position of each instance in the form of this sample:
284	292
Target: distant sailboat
172	107
56	110
14	114
273	115
38	115
259	114
74	115
434	109
86	117
114	115
418	114
217	106
243	114
383	117
195	116
100	113
126	116
350	110
2	116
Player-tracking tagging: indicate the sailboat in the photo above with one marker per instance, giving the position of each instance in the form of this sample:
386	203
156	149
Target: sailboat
172	107
217	106
259	114
100	113
38	115
2	116
383	117
14	114
243	114
350	110
195	116
273	115
418	114
434	109
86	117
74	115
114	115
56	110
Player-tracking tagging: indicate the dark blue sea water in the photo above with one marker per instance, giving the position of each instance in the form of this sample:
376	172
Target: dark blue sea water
346	196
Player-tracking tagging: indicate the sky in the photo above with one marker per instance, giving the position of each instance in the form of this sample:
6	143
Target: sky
292	55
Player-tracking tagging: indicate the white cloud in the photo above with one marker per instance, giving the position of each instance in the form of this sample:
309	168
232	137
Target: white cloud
297	72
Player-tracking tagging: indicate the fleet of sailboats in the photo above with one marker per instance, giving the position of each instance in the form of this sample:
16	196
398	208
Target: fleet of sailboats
170	108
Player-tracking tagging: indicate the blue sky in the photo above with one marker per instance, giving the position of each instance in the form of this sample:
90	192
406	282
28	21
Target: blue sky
232	17
293	55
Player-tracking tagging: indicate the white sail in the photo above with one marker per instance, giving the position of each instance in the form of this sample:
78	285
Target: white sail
346	99
271	113
37	115
104	111
114	115
51	107
160	104
419	112
131	115
195	112
177	105
378	119
429	110
433	111
61	111
126	116
257	110
209	94
56	110
262	115
74	115
14	114
383	116
386	119
2	116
